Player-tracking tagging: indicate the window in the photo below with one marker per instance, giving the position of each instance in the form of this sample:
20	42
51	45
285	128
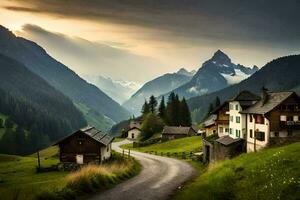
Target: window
80	141
237	133
260	136
107	149
296	118
221	129
259	119
283	118
238	119
251	133
230	106
226	130
276	134
251	118
230	131
237	107
231	118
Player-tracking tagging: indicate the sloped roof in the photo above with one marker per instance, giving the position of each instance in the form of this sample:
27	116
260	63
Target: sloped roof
227	140
94	133
273	100
246	96
210	120
177	130
220	107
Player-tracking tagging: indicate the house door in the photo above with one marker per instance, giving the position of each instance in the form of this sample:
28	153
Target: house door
132	135
79	159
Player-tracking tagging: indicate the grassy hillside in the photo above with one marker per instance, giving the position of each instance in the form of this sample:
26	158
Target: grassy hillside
19	180
179	145
269	174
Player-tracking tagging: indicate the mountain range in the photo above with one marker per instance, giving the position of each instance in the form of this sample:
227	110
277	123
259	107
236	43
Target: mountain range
118	90
215	74
280	74
35	106
98	108
157	87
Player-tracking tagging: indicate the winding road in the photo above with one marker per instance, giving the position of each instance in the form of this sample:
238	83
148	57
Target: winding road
158	180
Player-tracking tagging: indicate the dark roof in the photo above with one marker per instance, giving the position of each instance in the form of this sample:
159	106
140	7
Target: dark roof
94	133
210	120
273	100
246	96
227	140
220	107
177	130
133	128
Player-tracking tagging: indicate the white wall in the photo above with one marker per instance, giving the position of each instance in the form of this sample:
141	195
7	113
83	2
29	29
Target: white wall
260	127
224	127
135	133
105	152
233	125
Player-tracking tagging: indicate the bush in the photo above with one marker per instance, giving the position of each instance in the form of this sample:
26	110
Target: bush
152	124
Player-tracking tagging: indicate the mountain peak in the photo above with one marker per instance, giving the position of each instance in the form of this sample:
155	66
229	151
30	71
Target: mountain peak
220	56
183	71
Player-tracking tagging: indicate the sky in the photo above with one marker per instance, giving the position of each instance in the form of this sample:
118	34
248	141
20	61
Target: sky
137	40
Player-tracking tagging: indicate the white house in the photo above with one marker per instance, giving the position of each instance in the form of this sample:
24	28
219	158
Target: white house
134	133
237	120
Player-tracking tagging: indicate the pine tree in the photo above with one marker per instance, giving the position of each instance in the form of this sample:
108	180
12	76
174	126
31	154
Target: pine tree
145	108
1	123
170	112
9	123
185	114
162	109
152	104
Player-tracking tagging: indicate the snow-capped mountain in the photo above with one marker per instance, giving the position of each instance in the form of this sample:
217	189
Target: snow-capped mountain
119	90
157	87
215	74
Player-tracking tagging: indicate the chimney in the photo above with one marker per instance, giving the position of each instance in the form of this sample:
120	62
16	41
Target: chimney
264	95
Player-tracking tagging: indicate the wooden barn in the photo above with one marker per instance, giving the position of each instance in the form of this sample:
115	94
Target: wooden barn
87	145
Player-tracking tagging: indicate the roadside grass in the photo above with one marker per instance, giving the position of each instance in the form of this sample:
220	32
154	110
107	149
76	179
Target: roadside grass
19	180
92	178
186	144
269	174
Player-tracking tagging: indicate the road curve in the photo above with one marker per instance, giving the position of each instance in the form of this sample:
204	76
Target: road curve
158	179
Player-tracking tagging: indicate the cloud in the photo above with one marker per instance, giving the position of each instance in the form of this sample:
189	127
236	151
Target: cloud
92	58
233	21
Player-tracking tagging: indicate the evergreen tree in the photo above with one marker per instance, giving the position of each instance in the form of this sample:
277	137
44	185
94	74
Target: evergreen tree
185	114
152	124
145	108
217	102
170	110
162	109
1	123
152	104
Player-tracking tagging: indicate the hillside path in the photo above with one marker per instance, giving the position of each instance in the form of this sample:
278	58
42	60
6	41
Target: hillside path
158	180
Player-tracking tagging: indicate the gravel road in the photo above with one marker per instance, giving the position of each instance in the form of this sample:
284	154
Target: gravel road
158	179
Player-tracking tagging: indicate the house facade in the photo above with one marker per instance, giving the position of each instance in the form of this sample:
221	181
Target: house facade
134	130
87	145
272	120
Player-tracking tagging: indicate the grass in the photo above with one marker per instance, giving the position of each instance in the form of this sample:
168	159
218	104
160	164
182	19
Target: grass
186	144
269	174
19	180
117	139
93	178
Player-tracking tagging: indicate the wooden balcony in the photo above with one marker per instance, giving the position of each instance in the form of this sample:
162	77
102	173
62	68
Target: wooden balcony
290	124
223	122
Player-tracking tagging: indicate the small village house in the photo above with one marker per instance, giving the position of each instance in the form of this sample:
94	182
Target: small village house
274	119
175	132
134	130
222	144
218	121
87	145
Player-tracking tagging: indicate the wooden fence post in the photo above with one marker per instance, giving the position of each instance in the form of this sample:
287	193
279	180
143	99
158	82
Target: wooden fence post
129	153
123	154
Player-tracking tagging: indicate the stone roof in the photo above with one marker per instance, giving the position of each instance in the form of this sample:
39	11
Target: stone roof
94	133
227	140
272	101
177	130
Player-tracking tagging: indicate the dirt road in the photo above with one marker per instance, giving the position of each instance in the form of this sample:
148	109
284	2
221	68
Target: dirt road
158	179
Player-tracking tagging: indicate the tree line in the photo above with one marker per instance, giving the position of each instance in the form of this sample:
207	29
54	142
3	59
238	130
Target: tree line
173	113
